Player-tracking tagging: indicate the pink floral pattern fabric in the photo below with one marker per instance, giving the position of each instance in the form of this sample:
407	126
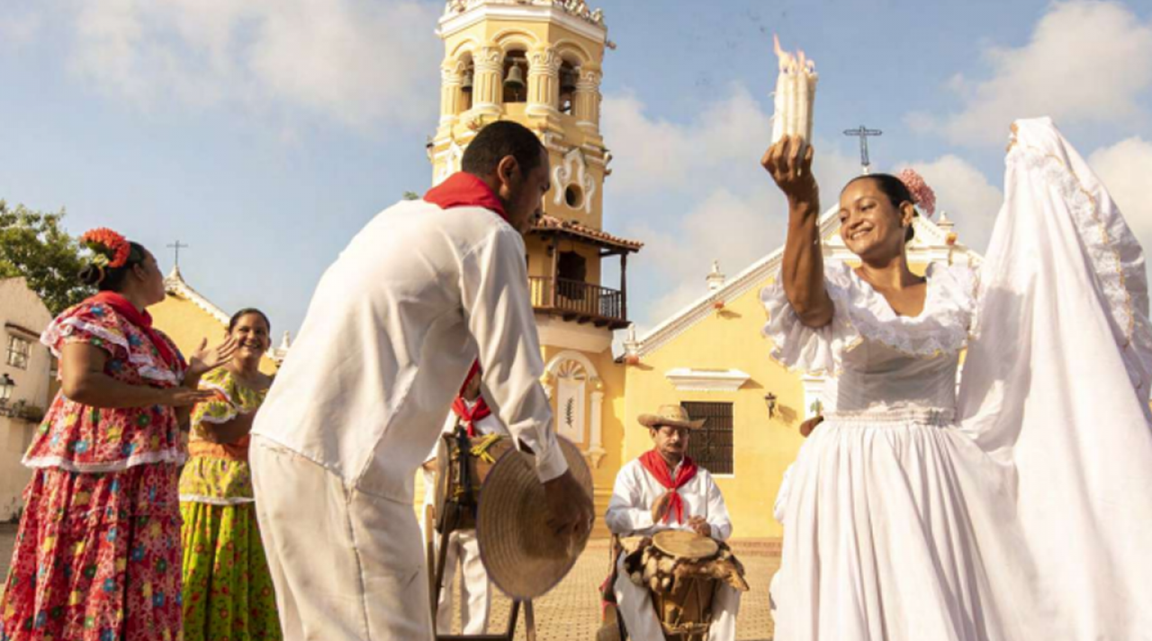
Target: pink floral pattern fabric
87	439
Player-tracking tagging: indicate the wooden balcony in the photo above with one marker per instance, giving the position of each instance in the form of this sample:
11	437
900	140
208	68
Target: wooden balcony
579	301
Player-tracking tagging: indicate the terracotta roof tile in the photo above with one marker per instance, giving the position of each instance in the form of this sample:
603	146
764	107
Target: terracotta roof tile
550	223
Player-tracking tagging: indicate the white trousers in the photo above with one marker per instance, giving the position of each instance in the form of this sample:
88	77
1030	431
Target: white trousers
635	606
464	549
346	566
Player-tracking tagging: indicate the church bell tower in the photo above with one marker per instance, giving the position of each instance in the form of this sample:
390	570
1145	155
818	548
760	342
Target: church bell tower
539	63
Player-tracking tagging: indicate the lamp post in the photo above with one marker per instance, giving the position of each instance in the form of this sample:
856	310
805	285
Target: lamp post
770	401
6	386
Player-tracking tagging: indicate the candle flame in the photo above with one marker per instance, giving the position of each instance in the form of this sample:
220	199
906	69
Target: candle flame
792	63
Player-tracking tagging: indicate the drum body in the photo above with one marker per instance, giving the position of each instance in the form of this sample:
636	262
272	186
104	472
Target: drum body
457	497
685	612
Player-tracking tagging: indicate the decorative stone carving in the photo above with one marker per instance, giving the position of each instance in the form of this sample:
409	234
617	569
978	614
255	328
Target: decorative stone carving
450	163
573	169
572	381
577	8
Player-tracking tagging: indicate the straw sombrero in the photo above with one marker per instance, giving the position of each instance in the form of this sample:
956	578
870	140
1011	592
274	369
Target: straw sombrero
671	415
522	555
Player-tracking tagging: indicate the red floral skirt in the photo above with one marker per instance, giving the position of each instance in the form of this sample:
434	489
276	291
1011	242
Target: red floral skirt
97	558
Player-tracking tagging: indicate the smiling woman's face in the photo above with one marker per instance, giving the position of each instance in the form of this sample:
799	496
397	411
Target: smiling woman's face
251	334
870	224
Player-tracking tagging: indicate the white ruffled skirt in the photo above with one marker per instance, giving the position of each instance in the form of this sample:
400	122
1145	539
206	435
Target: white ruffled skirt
881	518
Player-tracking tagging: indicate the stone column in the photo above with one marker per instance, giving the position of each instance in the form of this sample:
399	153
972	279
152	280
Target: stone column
588	98
488	81
543	82
595	446
451	82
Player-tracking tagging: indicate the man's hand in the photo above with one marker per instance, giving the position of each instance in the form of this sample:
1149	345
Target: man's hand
661	506
807	426
569	507
700	526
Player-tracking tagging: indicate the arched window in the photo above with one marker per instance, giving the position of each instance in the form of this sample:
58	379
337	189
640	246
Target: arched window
515	77
467	85
568	77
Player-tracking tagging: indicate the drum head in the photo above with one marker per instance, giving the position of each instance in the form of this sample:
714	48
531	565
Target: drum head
522	555
685	545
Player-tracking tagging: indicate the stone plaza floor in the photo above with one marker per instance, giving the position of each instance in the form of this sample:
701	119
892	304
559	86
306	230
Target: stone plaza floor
572	609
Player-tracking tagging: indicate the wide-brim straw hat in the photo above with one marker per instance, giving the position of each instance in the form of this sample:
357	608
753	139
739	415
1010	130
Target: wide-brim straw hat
672	416
524	557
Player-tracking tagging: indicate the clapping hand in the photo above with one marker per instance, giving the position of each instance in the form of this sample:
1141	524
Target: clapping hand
206	359
700	526
661	506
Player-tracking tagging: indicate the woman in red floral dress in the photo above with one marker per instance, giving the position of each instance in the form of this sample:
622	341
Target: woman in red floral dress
98	554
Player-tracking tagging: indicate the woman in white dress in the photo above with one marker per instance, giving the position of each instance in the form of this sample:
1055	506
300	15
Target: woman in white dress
1019	509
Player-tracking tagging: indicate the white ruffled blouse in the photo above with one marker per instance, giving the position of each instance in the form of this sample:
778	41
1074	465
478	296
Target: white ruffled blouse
879	361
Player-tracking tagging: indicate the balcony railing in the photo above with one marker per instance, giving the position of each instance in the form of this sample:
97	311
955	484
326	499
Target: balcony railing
580	301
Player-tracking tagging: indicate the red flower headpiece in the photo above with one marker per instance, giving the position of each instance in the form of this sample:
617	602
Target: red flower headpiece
922	194
107	244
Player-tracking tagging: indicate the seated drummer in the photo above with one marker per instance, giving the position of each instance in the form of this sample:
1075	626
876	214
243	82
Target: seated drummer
664	489
472	412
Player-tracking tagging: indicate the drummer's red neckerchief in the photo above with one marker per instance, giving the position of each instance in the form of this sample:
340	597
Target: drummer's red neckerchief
479	409
465	190
654	463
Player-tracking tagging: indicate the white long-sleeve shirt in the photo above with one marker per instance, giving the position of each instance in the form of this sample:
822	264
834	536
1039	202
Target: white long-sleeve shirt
392	329
636	491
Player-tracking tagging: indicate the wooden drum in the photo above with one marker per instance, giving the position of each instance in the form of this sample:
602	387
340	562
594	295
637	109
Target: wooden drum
457	496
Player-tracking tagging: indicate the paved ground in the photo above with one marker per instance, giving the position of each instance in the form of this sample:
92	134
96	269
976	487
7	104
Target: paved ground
572	610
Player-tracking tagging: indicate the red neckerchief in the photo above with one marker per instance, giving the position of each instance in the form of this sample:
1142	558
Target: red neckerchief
654	463
479	410
465	190
142	320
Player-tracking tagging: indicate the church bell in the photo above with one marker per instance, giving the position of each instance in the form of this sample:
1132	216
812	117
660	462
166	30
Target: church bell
515	79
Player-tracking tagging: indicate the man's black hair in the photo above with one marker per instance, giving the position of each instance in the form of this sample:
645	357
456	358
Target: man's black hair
497	140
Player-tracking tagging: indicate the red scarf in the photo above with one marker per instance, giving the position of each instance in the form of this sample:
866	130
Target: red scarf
479	409
142	320
654	463
465	190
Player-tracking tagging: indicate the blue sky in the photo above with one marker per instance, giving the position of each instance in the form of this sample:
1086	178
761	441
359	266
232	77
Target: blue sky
265	133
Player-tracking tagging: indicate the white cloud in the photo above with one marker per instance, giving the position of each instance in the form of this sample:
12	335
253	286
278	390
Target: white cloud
1087	62
652	153
19	30
359	62
1125	169
965	194
696	193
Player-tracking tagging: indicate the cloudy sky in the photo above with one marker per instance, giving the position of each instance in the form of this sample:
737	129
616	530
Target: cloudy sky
265	133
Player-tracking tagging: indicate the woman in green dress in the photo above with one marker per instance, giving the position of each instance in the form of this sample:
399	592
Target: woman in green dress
228	591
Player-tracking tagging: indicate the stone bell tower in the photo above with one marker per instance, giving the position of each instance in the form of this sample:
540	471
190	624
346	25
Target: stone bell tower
539	63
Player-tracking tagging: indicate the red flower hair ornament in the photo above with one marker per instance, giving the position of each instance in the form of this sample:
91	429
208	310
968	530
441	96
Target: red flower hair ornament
922	194
109	249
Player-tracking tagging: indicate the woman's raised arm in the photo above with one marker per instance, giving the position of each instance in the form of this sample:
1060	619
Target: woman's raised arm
789	161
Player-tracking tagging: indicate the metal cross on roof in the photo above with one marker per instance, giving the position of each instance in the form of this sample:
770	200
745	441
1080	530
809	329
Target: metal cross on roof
178	246
863	133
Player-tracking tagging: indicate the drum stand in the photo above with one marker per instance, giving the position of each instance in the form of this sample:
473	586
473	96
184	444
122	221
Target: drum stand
436	569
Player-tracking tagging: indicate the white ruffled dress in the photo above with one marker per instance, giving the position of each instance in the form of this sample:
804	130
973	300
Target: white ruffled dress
1019	510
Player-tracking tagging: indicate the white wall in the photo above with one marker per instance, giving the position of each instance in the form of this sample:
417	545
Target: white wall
20	306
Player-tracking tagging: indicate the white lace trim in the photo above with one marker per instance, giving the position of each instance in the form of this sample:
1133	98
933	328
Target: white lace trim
215	500
1107	239
170	455
860	312
145	364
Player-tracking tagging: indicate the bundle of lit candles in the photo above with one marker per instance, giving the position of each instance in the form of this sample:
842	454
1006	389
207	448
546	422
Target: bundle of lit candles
795	94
